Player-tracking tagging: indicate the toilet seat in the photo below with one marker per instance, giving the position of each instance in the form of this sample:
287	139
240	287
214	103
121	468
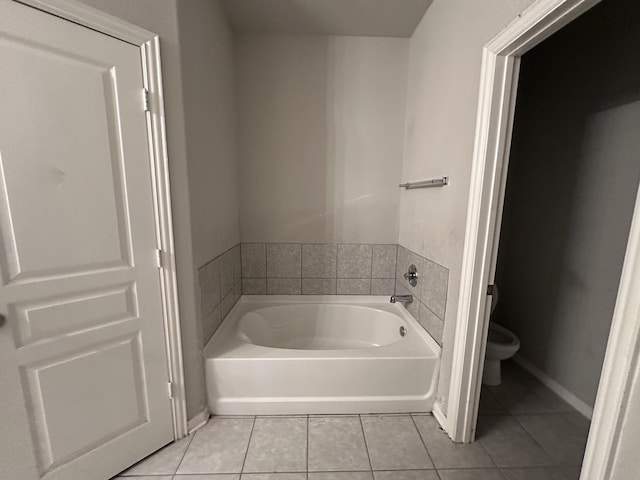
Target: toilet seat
500	336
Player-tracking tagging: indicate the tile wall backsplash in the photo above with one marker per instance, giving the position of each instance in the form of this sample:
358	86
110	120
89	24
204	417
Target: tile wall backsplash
321	269
318	269
220	288
429	294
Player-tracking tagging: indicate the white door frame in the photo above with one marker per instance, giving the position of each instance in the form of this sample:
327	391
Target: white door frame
498	86
149	45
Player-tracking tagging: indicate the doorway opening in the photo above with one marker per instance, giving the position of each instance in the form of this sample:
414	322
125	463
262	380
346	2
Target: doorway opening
571	196
560	253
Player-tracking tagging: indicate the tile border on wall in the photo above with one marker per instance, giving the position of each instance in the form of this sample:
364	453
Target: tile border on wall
220	287
321	268
341	269
429	294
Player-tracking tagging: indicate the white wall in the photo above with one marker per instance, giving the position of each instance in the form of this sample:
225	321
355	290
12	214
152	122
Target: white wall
320	137
197	75
444	76
206	43
575	139
206	48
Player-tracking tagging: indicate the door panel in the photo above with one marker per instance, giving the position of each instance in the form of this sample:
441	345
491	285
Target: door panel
50	163
66	314
83	365
104	397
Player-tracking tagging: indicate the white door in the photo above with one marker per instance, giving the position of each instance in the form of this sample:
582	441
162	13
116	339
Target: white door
83	364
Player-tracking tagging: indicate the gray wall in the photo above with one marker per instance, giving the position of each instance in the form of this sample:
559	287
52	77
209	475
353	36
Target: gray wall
573	180
196	50
206	47
445	56
320	137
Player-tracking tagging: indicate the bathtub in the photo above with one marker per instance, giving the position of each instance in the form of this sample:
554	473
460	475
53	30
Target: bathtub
276	355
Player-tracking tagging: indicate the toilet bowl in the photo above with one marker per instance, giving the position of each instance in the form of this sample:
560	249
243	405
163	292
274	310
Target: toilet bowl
501	345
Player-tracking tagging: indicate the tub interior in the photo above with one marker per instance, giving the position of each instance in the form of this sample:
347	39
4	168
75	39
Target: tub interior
319	327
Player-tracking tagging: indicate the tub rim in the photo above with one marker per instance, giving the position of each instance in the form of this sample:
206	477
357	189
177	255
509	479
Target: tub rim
225	344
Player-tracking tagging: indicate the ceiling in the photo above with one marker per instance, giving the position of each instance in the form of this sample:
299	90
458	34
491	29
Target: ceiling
376	18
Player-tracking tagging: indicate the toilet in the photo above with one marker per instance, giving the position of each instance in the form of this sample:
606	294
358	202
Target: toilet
501	345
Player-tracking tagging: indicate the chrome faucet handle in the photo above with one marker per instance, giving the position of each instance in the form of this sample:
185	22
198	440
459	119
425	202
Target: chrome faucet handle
412	275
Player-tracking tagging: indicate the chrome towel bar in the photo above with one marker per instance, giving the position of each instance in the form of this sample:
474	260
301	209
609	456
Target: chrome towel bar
435	182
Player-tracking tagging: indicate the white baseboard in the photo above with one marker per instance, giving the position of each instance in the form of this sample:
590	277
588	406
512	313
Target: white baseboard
440	417
198	420
555	387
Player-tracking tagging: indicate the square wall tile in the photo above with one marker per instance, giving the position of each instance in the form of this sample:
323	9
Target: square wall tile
318	286
254	260
354	286
211	323
284	260
226	272
435	282
319	260
383	286
284	286
236	256
254	286
354	260
414	307
230	300
431	323
209	278
406	258
384	261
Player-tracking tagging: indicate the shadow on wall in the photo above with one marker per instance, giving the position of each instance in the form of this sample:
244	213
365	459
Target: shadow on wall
320	123
573	180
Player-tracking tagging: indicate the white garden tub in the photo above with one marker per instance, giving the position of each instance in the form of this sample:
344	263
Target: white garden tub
297	354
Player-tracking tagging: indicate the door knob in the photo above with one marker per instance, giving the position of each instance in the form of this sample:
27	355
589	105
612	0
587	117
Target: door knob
3	320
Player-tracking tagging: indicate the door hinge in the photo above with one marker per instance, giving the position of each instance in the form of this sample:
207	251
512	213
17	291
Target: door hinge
158	258
490	289
170	389
145	99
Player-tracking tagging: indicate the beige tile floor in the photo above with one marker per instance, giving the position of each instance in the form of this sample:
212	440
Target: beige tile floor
525	432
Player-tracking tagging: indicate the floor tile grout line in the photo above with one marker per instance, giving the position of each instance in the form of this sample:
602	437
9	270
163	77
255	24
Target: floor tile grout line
366	445
483	447
246	453
424	443
184	454
554	464
479	440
